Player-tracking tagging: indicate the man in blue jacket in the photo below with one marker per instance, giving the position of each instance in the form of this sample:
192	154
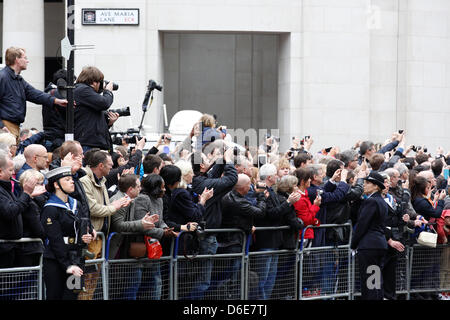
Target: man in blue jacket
208	174
15	91
367	148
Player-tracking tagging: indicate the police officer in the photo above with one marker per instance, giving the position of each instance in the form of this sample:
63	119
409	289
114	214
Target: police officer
62	222
369	237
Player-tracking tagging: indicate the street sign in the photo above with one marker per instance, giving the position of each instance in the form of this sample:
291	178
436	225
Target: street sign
66	48
110	17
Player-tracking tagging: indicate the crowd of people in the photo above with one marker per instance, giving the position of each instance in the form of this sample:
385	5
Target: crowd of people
65	192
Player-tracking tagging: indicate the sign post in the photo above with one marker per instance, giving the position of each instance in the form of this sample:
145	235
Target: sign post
70	67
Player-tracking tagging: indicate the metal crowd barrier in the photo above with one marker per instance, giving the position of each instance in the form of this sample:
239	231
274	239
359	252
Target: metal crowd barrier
95	276
210	277
325	272
22	283
429	269
271	274
138	279
420	269
304	273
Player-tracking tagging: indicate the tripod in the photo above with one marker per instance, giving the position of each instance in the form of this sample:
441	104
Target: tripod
144	110
148	95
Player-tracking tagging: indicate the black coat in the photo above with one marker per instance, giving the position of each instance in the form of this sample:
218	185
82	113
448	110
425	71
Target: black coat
239	213
275	211
11	209
32	227
369	232
54	116
59	223
221	185
90	123
424	208
181	209
291	236
111	178
394	221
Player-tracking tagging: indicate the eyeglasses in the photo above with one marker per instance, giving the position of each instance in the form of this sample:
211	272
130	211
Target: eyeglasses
42	156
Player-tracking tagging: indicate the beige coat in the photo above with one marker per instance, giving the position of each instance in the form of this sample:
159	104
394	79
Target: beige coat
98	200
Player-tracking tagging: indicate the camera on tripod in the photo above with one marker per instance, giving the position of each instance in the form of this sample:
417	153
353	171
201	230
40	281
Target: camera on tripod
153	85
123	112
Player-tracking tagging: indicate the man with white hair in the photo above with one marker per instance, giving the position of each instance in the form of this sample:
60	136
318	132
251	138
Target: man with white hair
238	212
276	211
243	165
11	209
402	170
35	158
268	174
428	174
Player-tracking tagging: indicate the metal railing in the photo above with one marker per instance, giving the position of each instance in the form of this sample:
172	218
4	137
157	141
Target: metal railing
303	273
22	283
95	276
325	272
271	274
138	279
210	277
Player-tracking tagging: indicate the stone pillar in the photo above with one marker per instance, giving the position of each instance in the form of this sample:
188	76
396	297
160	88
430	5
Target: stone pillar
154	118
290	118
23	26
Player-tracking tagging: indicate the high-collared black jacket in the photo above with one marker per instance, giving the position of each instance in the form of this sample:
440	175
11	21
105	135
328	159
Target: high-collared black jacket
11	209
369	232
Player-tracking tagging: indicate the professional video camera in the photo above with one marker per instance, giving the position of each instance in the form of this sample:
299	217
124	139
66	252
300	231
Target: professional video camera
128	136
153	85
123	112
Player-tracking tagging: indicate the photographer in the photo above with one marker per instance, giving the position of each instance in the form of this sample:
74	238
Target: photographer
92	101
15	91
164	146
54	117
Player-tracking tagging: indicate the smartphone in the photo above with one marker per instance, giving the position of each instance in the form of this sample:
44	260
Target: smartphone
446	173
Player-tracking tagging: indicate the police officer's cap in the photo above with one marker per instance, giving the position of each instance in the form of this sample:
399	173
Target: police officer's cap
58	173
376	179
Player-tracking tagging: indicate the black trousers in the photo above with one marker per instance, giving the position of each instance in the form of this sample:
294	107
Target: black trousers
389	273
55	279
370	263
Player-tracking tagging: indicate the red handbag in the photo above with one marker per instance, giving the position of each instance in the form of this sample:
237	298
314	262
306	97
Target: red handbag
154	248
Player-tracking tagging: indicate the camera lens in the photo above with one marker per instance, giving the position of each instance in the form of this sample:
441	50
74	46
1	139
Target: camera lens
123	112
115	85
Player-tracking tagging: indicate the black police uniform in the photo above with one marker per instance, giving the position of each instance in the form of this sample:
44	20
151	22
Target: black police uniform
61	224
369	238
